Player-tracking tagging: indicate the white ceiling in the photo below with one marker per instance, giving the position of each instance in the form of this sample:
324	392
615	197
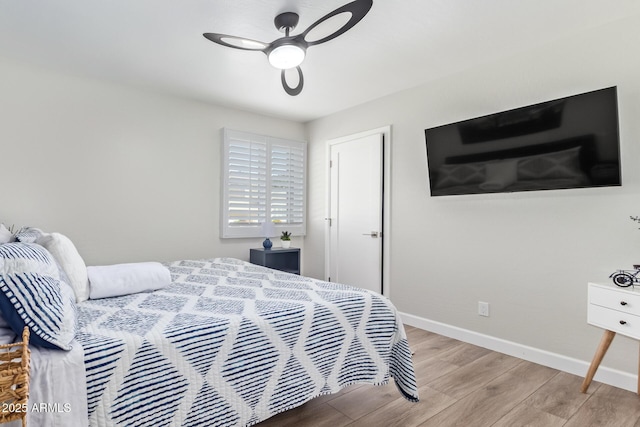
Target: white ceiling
158	44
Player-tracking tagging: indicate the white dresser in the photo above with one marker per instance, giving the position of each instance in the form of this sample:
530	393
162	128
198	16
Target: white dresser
616	310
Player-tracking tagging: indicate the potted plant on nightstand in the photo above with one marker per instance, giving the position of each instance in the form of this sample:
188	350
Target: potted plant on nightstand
286	239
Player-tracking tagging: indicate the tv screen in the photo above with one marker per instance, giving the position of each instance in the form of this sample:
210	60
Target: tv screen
570	142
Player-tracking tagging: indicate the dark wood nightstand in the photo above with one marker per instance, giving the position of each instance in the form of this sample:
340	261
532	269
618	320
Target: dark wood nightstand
277	258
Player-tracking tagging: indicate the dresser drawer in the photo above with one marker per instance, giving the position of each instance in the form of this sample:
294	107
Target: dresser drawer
627	302
613	320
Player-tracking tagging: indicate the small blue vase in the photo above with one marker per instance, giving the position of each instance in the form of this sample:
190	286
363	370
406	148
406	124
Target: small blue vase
267	243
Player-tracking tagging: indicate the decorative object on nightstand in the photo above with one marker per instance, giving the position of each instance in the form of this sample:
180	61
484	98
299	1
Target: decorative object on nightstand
286	239
277	258
268	230
615	310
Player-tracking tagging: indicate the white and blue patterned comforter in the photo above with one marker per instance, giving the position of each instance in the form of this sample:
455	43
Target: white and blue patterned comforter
231	343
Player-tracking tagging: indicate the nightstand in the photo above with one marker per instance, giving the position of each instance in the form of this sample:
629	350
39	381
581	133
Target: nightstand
277	258
616	310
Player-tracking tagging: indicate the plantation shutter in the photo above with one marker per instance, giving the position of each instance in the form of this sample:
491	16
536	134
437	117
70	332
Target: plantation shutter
264	179
247	183
287	184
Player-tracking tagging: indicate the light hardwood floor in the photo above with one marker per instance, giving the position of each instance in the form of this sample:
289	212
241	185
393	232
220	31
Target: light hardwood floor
464	385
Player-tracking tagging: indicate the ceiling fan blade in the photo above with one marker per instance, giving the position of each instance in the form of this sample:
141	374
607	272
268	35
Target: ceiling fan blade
293	91
358	9
236	42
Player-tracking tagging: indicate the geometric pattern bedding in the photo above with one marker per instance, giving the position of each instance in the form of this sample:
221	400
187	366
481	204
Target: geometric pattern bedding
231	343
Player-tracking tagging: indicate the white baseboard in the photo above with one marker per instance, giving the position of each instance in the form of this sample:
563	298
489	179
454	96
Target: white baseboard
577	367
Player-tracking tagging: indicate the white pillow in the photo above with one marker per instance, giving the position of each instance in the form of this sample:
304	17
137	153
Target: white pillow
5	234
123	279
63	250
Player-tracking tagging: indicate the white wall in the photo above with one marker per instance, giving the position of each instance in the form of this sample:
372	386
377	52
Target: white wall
128	175
132	175
530	255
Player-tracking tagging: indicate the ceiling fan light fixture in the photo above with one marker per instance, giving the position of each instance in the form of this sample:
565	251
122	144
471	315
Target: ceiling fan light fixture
286	56
288	52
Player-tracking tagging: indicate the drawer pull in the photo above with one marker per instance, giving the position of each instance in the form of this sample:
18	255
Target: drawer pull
623	322
623	303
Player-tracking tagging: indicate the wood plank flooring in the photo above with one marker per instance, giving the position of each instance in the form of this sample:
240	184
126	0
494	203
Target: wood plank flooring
464	385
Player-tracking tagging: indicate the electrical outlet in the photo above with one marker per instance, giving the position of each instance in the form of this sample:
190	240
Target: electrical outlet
483	308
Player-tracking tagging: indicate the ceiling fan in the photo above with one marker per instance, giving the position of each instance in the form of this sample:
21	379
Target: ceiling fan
289	51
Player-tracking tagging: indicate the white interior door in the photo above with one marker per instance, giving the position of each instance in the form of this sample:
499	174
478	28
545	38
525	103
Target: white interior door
355	212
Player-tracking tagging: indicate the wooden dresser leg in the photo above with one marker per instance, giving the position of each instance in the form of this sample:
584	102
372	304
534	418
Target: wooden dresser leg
605	342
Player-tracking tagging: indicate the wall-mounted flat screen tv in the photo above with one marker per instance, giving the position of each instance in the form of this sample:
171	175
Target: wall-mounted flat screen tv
571	142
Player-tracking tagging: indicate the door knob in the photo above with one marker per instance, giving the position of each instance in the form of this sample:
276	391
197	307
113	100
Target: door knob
373	234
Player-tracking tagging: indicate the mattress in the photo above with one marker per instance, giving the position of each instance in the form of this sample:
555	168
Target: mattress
232	343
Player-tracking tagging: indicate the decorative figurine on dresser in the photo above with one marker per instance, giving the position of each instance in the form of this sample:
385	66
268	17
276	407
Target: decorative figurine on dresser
626	278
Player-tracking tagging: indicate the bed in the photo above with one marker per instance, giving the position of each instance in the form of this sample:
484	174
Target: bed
225	343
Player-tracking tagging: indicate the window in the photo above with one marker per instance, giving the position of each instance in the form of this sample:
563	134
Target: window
263	179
